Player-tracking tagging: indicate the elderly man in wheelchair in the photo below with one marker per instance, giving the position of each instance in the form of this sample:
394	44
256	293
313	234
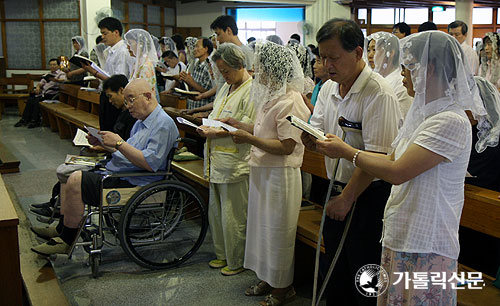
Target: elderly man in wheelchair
151	139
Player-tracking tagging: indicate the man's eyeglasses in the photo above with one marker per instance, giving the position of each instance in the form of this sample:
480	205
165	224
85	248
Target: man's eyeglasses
130	101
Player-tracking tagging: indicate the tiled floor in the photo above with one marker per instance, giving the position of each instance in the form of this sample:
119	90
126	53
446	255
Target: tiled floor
122	282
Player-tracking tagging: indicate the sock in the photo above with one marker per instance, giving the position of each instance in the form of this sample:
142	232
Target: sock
68	235
60	225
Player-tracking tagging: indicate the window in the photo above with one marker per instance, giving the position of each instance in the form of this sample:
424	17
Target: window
158	20
482	15
35	33
362	15
416	16
262	22
445	17
383	16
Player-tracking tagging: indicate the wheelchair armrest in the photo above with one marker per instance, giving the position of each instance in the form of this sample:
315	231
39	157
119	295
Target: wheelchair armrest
137	174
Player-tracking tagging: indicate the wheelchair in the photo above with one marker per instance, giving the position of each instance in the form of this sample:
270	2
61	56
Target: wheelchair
159	226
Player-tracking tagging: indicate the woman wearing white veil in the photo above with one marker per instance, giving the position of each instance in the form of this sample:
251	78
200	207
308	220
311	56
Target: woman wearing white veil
427	169
76	74
141	47
190	43
275	191
490	61
382	50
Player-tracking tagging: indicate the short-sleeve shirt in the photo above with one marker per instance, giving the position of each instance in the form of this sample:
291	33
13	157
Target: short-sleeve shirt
370	101
422	215
51	87
249	55
226	161
118	59
201	75
271	123
154	137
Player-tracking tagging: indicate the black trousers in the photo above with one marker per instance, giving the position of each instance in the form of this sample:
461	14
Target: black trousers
361	246
32	109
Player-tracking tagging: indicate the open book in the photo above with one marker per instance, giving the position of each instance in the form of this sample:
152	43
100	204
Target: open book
48	77
81	61
187	92
306	127
83	160
80	139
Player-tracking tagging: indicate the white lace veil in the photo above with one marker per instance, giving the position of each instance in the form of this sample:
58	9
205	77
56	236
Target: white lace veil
170	43
386	57
303	56
494	62
142	46
489	125
101	55
80	41
190	43
440	79
276	69
156	43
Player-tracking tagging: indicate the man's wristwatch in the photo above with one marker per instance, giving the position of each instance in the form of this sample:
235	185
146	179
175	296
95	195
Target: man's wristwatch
119	143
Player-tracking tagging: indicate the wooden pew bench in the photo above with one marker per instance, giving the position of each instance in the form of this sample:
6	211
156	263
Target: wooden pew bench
77	109
8	162
15	89
10	269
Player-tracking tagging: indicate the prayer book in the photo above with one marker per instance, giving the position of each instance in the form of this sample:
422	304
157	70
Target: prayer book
82	160
187	92
48	77
186	122
80	139
306	127
217	124
94	132
81	61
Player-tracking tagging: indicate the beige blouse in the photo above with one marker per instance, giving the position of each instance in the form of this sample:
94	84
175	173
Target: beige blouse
271	123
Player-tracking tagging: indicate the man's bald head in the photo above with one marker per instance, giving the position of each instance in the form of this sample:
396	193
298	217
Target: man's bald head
140	98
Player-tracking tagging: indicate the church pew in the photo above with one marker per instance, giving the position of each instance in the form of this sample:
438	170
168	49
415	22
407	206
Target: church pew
10	269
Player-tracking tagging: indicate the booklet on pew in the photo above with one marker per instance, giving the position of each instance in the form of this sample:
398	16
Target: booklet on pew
82	160
306	127
80	61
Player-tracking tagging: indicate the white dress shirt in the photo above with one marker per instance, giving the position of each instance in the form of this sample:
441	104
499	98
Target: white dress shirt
370	101
471	57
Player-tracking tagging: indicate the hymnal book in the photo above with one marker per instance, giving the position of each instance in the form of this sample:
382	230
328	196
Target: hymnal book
80	61
82	160
80	139
168	76
186	122
306	127
48	77
187	92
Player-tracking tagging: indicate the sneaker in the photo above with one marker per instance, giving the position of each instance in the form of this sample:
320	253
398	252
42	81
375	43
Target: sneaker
229	272
44	211
45	232
51	247
217	263
41	205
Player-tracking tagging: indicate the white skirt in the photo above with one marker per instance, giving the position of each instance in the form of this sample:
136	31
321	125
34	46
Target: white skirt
274	199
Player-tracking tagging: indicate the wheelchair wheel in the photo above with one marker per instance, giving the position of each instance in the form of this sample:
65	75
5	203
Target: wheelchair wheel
163	224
